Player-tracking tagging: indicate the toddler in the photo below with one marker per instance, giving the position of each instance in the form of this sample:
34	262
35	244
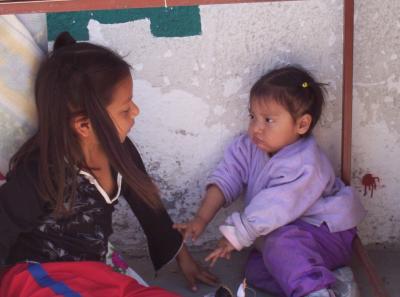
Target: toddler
300	218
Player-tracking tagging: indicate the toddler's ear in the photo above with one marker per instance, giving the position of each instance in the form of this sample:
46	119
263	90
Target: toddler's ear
303	123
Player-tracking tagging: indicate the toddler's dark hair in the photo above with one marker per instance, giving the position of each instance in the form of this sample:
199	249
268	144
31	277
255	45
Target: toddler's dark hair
294	88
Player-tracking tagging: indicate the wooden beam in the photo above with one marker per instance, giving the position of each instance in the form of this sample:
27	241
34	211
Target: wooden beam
38	6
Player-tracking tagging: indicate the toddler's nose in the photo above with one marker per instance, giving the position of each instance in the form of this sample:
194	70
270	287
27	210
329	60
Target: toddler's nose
258	127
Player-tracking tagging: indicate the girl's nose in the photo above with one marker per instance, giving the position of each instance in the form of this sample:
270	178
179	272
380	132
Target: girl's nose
135	110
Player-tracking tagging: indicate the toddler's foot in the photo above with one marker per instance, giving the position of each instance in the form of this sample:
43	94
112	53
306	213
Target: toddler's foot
345	285
322	293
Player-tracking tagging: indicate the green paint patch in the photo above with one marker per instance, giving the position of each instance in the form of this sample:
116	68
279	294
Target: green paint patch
164	22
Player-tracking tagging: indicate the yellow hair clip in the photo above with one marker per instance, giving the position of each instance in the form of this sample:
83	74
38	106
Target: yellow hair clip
305	84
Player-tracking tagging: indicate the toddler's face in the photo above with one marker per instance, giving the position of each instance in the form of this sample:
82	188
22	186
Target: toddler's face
271	126
122	109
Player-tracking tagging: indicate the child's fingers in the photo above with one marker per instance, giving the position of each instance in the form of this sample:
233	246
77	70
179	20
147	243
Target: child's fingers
226	255
223	254
195	234
185	229
192	283
211	255
190	233
180	226
211	277
213	261
208	278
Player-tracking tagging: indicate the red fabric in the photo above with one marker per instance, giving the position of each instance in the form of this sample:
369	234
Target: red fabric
89	279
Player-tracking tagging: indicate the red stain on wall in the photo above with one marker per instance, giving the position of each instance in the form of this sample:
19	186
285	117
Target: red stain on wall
369	183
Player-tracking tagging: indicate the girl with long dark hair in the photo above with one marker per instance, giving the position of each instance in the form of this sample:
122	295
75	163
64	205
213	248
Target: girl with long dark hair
63	183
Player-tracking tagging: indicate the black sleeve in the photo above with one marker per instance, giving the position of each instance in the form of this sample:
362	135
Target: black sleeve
20	209
163	241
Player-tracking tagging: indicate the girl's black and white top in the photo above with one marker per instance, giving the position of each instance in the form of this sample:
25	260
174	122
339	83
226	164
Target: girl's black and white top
29	232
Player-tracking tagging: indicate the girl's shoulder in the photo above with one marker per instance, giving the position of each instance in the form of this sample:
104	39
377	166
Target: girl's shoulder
25	171
19	188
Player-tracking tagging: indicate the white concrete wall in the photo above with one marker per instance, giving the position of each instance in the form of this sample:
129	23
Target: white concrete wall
193	94
376	133
193	91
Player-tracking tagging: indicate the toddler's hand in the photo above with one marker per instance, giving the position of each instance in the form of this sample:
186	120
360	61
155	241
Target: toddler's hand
223	250
192	229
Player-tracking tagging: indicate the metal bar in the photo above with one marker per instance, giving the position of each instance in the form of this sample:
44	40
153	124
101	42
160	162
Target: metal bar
37	6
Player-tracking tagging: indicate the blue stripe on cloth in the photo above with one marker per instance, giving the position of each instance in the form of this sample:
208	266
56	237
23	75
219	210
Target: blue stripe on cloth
44	280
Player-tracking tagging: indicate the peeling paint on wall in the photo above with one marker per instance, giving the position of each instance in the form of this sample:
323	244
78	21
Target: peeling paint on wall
370	182
164	22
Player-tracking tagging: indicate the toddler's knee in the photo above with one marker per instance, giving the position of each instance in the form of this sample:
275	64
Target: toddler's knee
281	242
280	237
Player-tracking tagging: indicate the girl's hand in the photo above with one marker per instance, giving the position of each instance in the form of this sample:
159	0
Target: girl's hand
193	272
223	250
192	229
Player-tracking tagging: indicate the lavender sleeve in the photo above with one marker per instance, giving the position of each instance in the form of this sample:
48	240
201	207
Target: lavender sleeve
232	173
285	200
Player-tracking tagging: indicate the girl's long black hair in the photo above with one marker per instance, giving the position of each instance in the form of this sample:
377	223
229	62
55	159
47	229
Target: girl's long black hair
78	79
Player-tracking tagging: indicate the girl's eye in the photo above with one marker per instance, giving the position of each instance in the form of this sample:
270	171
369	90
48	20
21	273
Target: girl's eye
269	120
126	111
251	116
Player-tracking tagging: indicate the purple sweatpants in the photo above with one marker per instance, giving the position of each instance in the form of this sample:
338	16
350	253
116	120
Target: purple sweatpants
297	259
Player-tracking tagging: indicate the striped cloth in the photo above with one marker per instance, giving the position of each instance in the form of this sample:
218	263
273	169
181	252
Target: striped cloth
72	279
19	59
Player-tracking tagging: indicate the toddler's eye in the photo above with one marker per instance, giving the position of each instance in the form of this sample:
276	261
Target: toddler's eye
269	120
251	116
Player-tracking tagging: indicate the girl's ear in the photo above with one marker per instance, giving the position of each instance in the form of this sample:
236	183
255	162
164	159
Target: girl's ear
81	126
304	123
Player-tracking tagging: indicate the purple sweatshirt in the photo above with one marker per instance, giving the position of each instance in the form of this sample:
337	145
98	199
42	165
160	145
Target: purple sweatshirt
298	182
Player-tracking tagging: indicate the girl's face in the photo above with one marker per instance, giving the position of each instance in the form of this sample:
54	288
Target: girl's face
272	127
122	109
